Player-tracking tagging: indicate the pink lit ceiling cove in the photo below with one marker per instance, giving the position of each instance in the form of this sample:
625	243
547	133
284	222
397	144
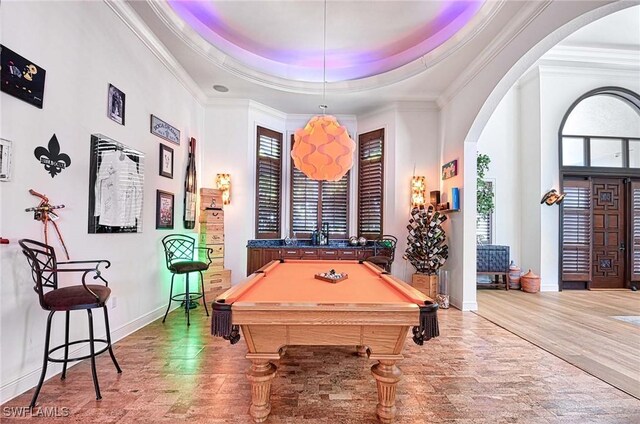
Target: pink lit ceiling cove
285	39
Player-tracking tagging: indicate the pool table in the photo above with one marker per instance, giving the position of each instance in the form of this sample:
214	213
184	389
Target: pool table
283	304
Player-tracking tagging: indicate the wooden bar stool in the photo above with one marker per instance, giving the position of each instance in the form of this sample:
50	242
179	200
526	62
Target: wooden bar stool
44	270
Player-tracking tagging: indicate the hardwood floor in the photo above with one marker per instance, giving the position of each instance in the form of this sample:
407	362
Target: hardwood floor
475	372
577	326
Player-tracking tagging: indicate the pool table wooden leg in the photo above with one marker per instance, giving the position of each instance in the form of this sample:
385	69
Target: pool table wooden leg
260	374
387	376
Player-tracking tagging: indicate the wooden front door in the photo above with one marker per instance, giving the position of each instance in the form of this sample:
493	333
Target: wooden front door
608	254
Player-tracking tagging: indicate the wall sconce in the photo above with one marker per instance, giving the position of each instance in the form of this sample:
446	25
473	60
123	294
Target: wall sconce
223	183
552	197
418	191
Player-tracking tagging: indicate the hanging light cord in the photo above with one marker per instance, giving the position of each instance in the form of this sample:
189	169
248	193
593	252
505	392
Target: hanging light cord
323	106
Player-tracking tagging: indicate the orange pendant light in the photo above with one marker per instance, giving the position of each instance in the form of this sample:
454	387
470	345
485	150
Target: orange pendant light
323	150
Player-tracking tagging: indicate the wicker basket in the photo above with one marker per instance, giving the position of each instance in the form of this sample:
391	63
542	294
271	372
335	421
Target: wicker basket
530	282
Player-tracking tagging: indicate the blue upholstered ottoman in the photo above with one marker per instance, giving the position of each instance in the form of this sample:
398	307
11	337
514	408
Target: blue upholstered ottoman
493	260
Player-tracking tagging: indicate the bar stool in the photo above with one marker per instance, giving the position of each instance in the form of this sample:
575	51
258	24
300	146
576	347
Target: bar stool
384	251
44	270
179	250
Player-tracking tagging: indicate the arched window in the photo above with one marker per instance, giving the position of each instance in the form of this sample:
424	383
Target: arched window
602	130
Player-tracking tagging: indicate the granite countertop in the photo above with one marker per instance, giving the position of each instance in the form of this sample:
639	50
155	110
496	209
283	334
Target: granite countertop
278	243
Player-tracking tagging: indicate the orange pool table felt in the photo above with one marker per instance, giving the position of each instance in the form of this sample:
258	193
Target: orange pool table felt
293	283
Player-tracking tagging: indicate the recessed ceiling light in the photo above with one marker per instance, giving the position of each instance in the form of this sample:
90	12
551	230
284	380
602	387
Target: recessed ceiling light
220	88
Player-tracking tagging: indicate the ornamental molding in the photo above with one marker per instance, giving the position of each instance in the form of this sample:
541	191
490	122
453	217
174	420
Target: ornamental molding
205	49
508	34
149	39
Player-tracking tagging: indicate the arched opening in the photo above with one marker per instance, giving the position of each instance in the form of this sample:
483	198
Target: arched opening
599	140
527	161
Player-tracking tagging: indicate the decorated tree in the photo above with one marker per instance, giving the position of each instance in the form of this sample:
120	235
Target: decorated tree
426	243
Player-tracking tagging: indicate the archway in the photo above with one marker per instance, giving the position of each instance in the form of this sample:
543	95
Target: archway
465	115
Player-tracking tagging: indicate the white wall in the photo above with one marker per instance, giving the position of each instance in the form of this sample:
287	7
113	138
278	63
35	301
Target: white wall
411	141
228	148
83	47
501	140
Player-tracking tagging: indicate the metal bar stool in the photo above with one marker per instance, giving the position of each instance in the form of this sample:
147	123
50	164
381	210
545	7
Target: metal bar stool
44	270
179	250
384	251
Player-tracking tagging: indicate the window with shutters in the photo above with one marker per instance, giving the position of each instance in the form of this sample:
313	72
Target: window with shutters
316	202
370	183
268	183
576	230
484	224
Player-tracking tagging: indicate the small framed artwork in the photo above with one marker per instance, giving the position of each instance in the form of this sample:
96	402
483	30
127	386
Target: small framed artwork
450	169
5	160
116	104
166	161
21	78
164	210
164	130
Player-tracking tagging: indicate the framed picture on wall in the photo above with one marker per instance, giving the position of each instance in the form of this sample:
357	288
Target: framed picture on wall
116	104
164	210
21	78
5	160
165	165
116	187
450	169
164	130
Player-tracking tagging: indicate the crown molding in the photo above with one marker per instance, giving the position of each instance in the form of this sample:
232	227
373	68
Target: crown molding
267	110
587	69
530	12
248	104
149	39
197	43
597	55
401	106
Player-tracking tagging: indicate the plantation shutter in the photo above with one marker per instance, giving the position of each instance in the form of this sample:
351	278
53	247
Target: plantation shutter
316	202
484	226
335	206
576	231
268	183
635	232
304	203
370	183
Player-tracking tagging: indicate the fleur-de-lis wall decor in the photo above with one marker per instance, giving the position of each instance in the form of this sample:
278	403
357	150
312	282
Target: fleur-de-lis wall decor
54	161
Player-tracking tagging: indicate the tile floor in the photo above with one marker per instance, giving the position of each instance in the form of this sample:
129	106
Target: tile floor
475	372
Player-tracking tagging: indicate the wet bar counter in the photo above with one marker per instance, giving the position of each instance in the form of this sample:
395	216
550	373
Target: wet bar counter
261	252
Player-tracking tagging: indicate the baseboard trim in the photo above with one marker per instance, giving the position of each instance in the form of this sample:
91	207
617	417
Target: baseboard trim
463	306
470	306
28	381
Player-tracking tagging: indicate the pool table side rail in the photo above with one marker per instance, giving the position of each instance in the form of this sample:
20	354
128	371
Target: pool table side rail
422	311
